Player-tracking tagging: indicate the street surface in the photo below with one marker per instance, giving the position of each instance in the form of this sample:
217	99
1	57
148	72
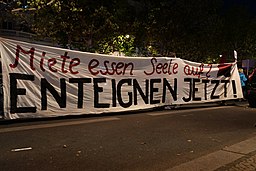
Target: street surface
144	141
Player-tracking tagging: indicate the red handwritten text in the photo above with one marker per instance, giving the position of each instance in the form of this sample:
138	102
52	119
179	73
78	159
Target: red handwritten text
197	71
163	68
50	63
110	68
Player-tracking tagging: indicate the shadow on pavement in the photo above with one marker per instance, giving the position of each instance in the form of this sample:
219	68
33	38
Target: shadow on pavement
171	107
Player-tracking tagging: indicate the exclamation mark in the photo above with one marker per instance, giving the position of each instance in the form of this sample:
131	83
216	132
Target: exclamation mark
234	88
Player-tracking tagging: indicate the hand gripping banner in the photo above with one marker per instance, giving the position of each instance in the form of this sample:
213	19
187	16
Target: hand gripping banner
43	81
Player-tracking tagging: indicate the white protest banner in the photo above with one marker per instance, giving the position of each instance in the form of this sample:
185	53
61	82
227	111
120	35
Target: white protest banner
43	81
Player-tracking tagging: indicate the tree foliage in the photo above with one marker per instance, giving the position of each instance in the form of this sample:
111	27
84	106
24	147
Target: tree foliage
196	30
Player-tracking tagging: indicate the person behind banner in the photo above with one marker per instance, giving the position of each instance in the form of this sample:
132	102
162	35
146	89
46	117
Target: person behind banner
243	80
251	89
252	76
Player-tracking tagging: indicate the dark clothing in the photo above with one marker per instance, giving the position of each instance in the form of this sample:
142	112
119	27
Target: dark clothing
243	80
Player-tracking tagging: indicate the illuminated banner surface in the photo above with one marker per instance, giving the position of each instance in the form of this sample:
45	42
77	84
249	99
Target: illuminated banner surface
43	81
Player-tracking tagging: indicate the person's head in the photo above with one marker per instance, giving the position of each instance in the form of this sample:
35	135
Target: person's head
241	70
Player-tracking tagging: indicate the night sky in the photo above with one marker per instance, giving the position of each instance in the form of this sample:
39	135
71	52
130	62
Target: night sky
250	5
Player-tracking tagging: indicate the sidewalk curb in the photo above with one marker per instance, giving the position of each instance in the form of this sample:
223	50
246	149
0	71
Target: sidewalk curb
239	156
248	163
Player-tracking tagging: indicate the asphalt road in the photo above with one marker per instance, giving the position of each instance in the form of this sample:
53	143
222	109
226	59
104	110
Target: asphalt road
154	140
